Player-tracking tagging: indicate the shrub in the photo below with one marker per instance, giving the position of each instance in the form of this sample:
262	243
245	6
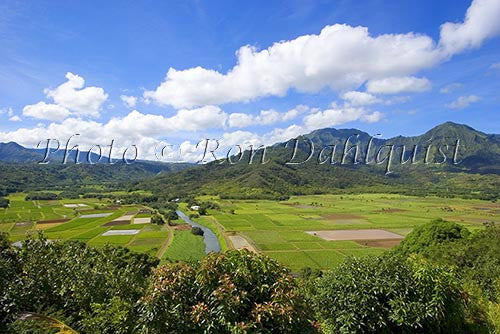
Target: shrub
157	219
41	196
234	292
388	295
171	215
197	231
72	279
426	236
4	202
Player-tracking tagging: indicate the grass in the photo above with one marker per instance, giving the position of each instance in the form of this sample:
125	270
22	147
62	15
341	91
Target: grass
274	228
185	247
278	228
89	230
20	210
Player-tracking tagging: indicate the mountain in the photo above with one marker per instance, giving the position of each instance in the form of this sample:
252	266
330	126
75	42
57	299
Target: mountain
476	170
13	152
20	170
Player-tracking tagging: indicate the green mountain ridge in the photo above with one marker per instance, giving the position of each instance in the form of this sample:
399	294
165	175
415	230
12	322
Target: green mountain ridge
476	173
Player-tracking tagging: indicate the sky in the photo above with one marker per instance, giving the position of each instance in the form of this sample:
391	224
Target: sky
164	75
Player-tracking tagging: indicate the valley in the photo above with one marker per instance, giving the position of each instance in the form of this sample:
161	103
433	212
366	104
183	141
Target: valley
315	231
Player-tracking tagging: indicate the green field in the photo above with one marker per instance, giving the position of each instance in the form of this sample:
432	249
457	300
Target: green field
185	247
273	228
24	217
278	228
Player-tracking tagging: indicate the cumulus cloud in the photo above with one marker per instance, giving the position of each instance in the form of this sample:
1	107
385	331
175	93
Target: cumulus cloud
80	101
42	110
338	115
130	101
147	130
341	57
135	128
480	23
394	85
355	98
265	117
463	102
69	99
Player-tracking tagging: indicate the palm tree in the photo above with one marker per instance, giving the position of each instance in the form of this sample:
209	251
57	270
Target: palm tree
48	322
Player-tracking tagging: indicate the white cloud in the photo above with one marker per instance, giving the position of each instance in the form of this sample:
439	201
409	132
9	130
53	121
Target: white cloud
394	85
185	120
463	102
265	117
340	57
338	115
135	128
80	101
240	120
130	101
372	117
355	98
450	88
480	23
42	110
147	130
15	118
495	66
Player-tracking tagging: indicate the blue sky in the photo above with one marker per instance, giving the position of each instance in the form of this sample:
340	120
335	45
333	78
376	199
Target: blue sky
371	73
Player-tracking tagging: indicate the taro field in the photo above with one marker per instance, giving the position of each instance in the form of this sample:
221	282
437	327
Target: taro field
89	220
319	231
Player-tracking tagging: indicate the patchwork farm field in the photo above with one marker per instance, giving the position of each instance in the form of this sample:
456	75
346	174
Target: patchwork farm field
293	231
89	220
304	231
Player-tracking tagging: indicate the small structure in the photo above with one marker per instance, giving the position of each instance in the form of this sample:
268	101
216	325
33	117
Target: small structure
195	207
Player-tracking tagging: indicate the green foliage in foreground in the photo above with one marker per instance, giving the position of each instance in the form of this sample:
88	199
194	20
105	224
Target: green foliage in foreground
388	295
427	236
452	286
236	292
477	258
70	279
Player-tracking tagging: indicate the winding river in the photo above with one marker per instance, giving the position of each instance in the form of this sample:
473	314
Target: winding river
209	237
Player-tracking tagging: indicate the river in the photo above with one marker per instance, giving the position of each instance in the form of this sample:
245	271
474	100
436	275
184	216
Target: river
209	237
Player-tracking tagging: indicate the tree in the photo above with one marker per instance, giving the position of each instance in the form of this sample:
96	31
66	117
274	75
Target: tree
73	280
428	235
171	216
197	231
234	292
4	202
387	294
202	211
157	219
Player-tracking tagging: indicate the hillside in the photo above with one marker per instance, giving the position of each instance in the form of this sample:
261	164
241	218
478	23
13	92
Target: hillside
20	171
477	170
